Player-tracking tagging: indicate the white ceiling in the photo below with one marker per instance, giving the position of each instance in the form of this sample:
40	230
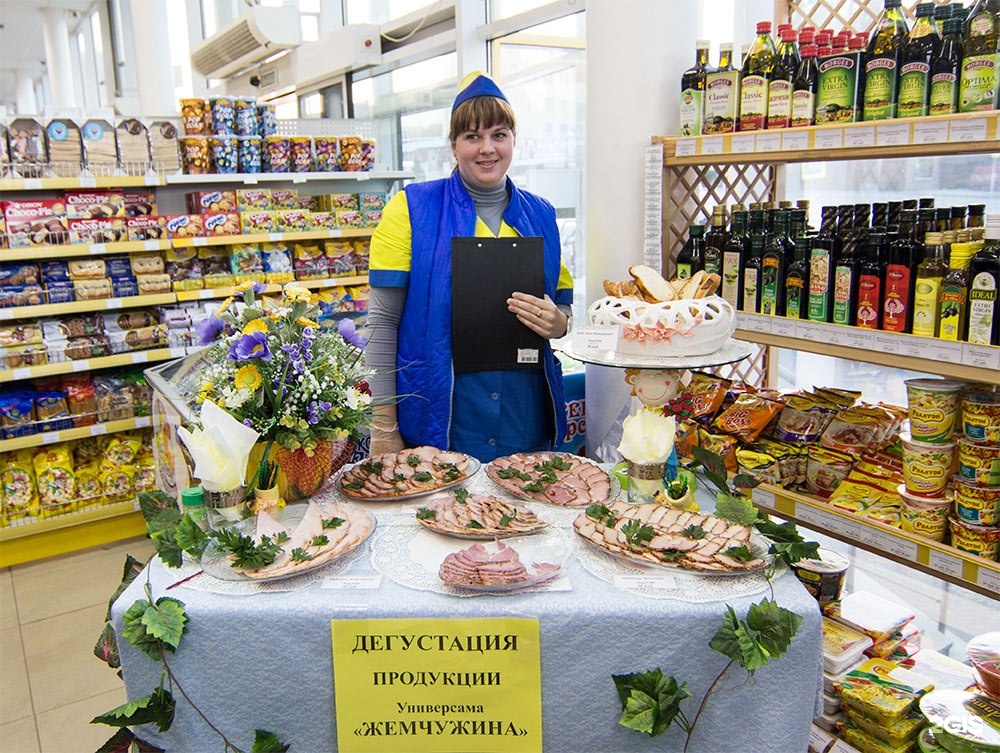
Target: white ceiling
22	46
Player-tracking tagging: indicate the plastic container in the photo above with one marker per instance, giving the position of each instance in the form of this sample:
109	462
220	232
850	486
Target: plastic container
980	540
882	690
927	743
959	724
870	614
979	463
926	466
981	417
925	516
979	505
823	577
843	647
195	155
933	408
984	655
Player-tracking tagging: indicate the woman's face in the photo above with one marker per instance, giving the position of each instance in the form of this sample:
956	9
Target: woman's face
484	155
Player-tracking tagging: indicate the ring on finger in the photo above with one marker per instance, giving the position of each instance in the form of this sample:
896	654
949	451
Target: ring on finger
539	313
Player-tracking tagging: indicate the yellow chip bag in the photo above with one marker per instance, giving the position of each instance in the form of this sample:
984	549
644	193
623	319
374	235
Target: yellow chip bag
55	480
17	479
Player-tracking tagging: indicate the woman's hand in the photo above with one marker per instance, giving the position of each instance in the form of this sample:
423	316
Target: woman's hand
385	441
540	315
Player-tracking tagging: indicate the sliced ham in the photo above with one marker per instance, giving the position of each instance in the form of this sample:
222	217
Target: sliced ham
542	477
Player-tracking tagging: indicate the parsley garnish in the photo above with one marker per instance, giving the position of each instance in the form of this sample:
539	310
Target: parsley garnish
373	467
560	465
413	461
424	513
281	537
534	486
670	555
461	495
355	484
474	524
506	519
740	553
332	523
451	472
602	514
422	476
694	532
298	555
320	540
247	555
636	533
511	472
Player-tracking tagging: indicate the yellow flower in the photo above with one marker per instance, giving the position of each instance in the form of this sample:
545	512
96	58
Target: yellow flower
244	286
225	305
255	325
296	293
248	377
303	322
204	392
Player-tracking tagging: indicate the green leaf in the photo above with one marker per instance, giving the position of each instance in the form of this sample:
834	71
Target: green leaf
424	513
247	554
474	524
129	573
156	708
267	742
534	486
189	537
299	555
641	713
423	477
650	701
329	523
281	537
743	481
413	461
125	741
786	542
765	634
735	509
740	553
773	626
559	464
320	540
506	519
461	495
154	501
167	548
166	621
669	555
694	532
602	514
134	631
715	468
636	533
106	648
724	641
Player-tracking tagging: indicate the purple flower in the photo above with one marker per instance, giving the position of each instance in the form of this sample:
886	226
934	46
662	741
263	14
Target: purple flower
250	347
208	329
346	329
316	411
258	287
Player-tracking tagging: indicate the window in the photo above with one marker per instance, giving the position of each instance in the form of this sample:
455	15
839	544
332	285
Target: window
380	11
507	8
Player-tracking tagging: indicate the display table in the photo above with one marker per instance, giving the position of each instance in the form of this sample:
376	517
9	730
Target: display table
265	660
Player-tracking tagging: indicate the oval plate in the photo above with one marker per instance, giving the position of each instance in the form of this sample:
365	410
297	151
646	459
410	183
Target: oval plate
529	551
474	466
484	534
613	493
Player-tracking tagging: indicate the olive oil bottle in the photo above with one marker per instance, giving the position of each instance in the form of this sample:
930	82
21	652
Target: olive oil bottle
930	273
983	327
779	88
825	248
882	63
870	274
777	254
797	280
733	255
953	300
915	65
978	87
804	88
946	70
715	241
905	254
722	94
839	79
751	272
691	258
757	70
693	91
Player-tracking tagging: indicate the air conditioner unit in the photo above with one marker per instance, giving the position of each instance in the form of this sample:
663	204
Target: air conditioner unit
259	34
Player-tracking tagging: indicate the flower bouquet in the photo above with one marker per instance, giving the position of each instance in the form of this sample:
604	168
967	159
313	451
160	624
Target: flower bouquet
300	386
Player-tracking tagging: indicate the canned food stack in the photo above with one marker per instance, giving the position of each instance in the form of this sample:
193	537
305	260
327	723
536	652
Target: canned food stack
951	465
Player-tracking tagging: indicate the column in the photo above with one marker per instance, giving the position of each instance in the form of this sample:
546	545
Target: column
25	99
153	66
57	57
636	52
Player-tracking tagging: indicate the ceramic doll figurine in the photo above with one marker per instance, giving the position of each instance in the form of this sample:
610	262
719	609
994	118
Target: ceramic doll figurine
654	387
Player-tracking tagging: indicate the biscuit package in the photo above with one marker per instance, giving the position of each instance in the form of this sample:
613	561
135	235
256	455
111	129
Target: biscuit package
55	480
17	480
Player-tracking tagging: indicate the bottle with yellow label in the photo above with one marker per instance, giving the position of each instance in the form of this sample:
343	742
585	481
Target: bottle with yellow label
978	86
953	299
930	272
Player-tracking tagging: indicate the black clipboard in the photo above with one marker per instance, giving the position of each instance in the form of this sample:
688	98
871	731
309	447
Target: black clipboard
485	336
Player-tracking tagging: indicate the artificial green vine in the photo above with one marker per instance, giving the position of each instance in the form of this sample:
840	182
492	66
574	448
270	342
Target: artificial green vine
156	628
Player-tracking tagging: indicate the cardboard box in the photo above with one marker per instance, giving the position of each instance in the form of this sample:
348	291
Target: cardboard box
211	202
94	204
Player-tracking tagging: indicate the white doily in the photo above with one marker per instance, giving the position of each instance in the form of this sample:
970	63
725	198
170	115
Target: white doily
695	589
410	555
202	581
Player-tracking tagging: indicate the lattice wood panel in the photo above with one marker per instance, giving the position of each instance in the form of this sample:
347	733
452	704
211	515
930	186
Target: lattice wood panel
854	15
753	370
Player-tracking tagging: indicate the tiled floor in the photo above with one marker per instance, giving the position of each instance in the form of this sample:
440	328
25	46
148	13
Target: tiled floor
51	684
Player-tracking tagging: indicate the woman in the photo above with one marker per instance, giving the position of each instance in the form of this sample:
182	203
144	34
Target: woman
419	398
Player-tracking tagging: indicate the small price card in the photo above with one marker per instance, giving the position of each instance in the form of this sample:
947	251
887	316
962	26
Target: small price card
83	365
794	141
711	145
32	184
336	232
857	338
113	303
250	179
810	331
654	581
140	357
199	241
352	582
989	579
88	182
829	138
150	245
299	178
594	339
22	373
887	542
892	134
783	327
861	136
686	148
151	179
843	747
97	248
819	739
743	144
763	498
769	142
49	437
973	129
887	343
934	132
946	563
274	237
984	356
6	314
942	350
98	429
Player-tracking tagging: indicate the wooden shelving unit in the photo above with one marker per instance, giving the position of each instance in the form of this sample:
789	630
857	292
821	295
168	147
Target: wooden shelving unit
90	364
77	432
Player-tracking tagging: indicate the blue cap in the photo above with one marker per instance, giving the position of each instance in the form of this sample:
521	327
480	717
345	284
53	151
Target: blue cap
477	84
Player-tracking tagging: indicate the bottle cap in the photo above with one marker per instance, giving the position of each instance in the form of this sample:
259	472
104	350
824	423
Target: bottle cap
193	496
727	46
925	9
952	25
696	230
763	27
788	35
933	239
702	44
807	35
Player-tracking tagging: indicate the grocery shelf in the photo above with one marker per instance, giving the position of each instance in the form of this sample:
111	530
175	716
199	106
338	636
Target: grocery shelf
25	540
936	135
79	432
958	360
252	178
77	307
307	235
73	250
932	557
102	181
90	364
203	294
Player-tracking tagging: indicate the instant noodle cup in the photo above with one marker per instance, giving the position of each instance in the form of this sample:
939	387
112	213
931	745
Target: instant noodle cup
979	505
195	155
933	407
925	516
979	463
823	577
926	466
983	652
979	540
981	417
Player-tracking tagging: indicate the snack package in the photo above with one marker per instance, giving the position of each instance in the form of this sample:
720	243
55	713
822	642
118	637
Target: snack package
852	431
324	221
747	417
706	393
340	257
882	690
116	482
333	202
20	273
86	450
257	222
89	489
128	320
52	411
309	262
722	445
186	226
871	614
211	202
826	469
120	449
184	268
146	228
349	218
139	204
74	325
253	199
20	333
147	264
371	200
94	204
284	198
292	220
55	480
277	262
114	398
245	258
17	479
24	355
760	465
17	415
80	400
222	224
38	222
215	267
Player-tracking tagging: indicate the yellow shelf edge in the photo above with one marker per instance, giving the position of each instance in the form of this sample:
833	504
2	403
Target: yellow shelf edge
207	294
70	533
74	250
76	307
78	432
104	181
306	235
91	364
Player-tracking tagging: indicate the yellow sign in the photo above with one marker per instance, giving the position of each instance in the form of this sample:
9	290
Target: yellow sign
437	685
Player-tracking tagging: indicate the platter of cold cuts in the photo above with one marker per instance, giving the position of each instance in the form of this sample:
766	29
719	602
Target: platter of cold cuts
556	478
299	538
394	476
459	513
501	566
666	537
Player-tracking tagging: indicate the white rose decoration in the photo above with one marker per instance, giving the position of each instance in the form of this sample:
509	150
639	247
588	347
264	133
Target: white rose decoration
647	437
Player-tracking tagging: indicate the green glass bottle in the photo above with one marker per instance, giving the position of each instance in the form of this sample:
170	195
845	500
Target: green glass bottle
722	94
946	70
693	92
733	255
882	63
797	280
915	66
777	253
978	88
780	87
751	272
691	257
983	324
715	241
757	69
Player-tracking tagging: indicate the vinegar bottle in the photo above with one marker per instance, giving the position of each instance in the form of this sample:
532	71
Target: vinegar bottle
930	272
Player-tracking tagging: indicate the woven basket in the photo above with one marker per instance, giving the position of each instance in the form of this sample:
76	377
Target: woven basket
692	327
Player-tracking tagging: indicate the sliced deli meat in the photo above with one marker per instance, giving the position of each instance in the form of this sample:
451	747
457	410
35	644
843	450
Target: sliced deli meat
659	535
460	513
557	478
407	472
477	566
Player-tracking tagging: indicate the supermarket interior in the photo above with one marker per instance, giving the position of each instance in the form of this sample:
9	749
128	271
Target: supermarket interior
366	363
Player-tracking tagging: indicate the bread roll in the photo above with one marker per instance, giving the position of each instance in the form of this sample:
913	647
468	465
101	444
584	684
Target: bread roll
652	287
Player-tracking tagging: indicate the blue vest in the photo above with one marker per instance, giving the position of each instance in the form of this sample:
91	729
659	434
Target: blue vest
439	211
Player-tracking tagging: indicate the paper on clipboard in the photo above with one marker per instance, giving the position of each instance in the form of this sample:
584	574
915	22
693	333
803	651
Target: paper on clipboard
485	336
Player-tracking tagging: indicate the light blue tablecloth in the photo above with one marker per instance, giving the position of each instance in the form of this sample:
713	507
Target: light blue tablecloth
265	661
